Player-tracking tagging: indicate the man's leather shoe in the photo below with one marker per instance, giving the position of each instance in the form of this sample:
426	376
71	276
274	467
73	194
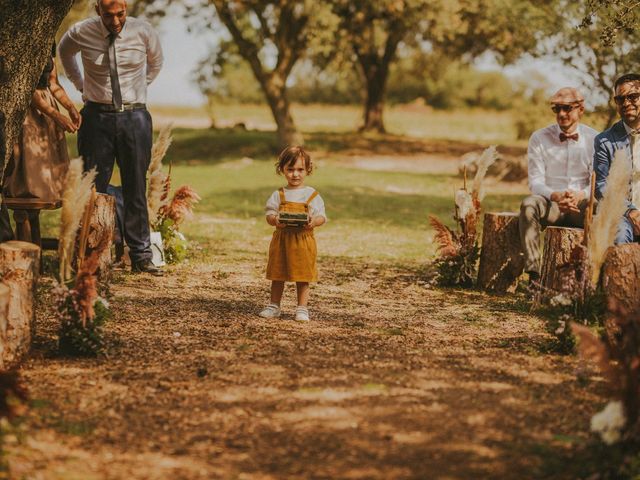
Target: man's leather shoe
145	266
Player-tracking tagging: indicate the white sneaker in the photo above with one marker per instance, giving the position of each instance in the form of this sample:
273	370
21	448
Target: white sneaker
302	314
270	311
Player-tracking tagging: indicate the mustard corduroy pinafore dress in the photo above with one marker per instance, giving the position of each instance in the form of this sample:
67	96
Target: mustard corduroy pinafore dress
293	251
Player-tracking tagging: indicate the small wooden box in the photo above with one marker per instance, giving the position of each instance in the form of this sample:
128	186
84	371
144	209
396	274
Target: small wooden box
293	219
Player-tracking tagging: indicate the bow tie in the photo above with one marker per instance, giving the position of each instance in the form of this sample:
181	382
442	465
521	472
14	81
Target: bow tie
564	137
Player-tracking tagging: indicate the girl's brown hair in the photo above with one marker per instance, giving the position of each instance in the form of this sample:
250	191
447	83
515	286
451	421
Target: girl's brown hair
290	155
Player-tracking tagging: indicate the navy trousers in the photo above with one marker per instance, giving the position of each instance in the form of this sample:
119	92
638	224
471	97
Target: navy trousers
124	138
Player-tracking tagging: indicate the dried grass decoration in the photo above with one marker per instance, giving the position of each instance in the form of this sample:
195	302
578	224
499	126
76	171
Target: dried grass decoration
81	311
159	182
458	251
76	196
616	352
610	211
164	216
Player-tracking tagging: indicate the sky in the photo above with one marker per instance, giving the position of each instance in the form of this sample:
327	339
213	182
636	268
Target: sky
182	51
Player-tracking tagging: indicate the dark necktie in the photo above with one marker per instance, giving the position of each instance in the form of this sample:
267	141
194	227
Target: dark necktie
116	95
564	137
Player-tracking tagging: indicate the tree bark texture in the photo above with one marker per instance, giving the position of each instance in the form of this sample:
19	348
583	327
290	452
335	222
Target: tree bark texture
5	297
28	29
19	267
501	257
559	243
102	225
621	277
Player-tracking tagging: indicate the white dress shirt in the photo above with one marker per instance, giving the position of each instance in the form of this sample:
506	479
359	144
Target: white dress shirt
138	56
556	166
300	195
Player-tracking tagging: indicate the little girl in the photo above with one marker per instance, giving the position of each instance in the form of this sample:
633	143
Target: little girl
292	252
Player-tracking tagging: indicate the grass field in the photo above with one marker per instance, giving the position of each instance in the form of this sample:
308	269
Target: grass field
232	169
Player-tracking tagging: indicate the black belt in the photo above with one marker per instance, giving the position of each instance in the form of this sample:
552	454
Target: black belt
106	107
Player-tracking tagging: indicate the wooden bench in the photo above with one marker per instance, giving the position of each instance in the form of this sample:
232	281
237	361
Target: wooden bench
26	213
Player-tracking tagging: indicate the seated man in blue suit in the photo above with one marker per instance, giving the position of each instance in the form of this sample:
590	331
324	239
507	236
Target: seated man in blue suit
622	135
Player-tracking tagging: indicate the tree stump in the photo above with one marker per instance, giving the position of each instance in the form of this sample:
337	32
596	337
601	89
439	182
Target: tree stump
102	224
621	276
559	242
5	297
19	267
501	258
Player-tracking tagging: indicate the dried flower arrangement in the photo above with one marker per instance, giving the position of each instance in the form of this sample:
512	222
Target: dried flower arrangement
80	310
458	251
166	216
616	351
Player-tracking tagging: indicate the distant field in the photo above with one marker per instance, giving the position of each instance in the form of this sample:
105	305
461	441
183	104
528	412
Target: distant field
411	120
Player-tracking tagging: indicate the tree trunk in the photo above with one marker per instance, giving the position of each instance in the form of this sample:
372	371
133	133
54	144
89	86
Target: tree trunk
5	298
559	243
19	267
501	258
375	68
27	32
621	277
276	92
374	103
102	224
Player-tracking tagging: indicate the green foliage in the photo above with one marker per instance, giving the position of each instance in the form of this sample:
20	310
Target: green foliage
76	339
174	243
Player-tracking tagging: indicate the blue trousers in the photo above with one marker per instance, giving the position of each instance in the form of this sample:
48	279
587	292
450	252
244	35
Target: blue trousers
124	138
625	232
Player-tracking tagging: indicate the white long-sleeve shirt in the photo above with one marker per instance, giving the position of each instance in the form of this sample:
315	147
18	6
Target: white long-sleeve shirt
556	166
138	56
300	195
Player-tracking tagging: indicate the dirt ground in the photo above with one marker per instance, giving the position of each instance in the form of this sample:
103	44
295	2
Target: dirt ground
390	379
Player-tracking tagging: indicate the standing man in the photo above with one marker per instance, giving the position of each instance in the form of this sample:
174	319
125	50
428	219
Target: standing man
623	135
560	158
120	57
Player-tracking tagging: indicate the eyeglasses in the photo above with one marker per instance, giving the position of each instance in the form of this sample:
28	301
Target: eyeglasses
563	108
632	97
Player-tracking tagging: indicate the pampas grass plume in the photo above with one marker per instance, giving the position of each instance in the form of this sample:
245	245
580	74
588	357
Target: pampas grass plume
156	199
487	158
610	212
160	147
77	192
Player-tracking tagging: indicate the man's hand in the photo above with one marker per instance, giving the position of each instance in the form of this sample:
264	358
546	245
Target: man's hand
65	123
75	116
568	201
634	216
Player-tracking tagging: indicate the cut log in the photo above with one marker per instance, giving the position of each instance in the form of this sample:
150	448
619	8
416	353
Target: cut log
559	243
501	258
102	224
621	277
19	267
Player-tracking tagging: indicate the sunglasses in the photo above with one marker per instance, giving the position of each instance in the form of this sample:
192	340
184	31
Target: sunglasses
563	108
632	97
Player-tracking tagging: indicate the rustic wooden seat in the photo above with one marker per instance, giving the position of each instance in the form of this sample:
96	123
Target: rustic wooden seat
501	259
26	213
559	243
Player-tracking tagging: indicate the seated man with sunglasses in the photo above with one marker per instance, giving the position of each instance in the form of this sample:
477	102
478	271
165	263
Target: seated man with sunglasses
559	158
624	135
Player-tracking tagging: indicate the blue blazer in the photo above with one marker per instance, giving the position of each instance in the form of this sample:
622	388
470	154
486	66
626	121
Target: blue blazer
605	146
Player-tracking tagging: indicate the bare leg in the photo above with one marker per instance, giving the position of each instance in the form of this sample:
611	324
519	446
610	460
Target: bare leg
277	288
302	289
